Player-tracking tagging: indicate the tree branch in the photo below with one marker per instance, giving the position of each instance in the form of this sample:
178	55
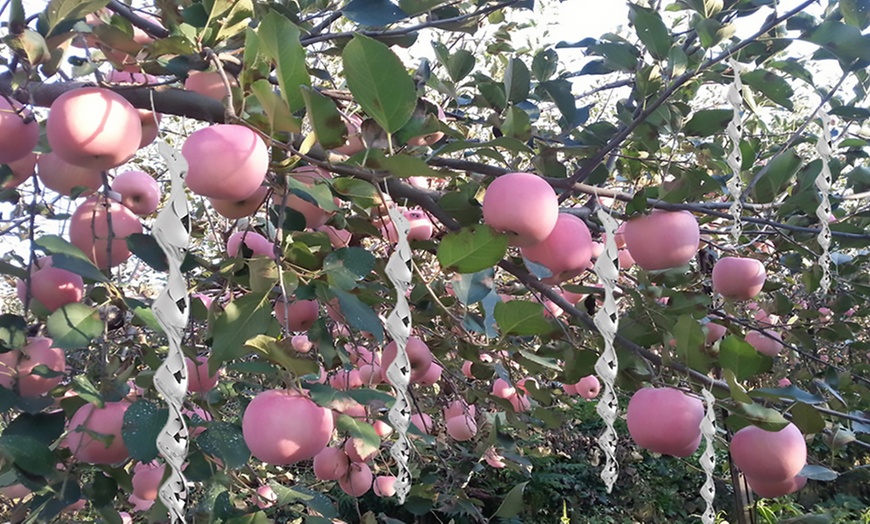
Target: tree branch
122	10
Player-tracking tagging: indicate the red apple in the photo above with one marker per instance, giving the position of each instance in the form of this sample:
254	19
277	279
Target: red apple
662	239
566	251
358	450
235	209
331	464
106	421
93	127
226	161
358	480
738	278
139	191
198	379
89	231
266	497
208	83
22	169
431	138
765	344
339	238
301	432
62	177
665	420
419	357
588	387
299	315
385	486
354	143
423	422
146	480
54	287
421	226
257	243
432	376
19	130
715	332
522	205
38	352
771	490
769	456
462	428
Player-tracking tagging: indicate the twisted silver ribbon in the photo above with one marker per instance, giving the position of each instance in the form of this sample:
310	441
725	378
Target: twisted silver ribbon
607	321
823	184
171	308
399	372
735	158
708	458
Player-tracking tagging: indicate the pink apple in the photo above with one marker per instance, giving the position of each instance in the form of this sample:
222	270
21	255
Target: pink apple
235	209
566	251
298	315
226	161
419	356
769	456
20	131
665	420
89	231
62	177
522	205
198	378
738	278
663	239
139	191
257	243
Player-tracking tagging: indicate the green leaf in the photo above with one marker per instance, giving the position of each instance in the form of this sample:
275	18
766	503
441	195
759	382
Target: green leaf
712	32
400	166
29	454
516	81
346	266
312	499
358	314
279	39
146	248
807	418
102	492
771	85
856	12
54	244
62	10
818	472
517	124
545	64
226	442
143	422
559	91
242	319
32	44
690	340
43	427
512	505
738	392
379	82
742	359
521	317
13	331
81	267
780	172
277	111
460	64
360	430
707	122
472	249
651	30
86	390
363	193
74	326
324	118
373	13
236	20
791	391
758	415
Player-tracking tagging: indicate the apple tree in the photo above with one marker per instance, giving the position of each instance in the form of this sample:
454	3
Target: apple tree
407	268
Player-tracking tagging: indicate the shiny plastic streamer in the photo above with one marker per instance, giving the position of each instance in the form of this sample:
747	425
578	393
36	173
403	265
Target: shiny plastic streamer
735	158
708	458
823	184
607	320
172	231
398	325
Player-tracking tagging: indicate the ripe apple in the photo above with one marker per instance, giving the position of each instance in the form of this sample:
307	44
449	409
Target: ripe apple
139	191
146	480
459	408
423	422
419	356
198	379
225	161
385	486
522	205
421	226
371	374
357	481
665	420
89	231
588	387
765	344
769	456
235	209
331	464
22	169
299	315
15	491
301	432
738	278
358	451
149	120
19	130
301	344
62	177
257	243
771	490
20	364
339	238
715	332
54	287
431	138
432	376
494	459
265	497
462	428
662	239
107	421
93	127
208	83
382	429
566	251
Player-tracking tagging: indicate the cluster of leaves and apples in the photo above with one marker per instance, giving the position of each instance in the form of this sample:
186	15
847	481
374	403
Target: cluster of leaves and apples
323	246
